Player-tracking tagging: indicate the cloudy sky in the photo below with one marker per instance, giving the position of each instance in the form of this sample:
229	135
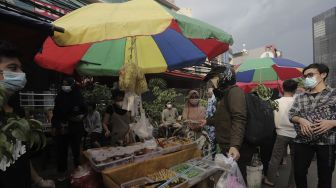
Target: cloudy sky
285	23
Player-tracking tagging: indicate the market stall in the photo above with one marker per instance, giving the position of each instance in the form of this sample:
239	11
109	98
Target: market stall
160	169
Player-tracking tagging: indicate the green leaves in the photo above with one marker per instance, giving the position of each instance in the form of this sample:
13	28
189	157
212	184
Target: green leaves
265	94
19	129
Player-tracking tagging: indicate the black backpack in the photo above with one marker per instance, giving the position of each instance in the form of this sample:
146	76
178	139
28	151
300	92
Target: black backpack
260	120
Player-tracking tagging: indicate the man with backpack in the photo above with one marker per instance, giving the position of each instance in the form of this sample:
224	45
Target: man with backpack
230	117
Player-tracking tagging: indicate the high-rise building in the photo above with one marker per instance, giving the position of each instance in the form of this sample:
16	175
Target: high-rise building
324	41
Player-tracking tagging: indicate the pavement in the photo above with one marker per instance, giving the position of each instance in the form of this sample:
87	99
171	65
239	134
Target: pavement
282	180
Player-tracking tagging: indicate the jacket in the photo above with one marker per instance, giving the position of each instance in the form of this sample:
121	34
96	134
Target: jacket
230	118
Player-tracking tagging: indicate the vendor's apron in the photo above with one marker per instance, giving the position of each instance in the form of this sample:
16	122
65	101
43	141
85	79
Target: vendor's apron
119	127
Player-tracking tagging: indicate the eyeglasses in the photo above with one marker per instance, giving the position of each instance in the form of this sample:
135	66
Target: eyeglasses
309	75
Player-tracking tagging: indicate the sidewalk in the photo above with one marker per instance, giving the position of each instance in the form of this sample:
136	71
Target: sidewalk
281	181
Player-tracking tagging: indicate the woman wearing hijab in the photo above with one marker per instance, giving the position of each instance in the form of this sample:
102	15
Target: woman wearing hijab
194	112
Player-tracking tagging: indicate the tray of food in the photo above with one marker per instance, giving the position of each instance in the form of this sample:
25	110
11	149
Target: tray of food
202	163
145	154
166	174
192	173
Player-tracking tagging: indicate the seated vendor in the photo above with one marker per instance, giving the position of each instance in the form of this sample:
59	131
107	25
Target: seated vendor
169	116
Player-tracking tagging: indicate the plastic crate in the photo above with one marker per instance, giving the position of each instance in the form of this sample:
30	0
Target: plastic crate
147	156
115	163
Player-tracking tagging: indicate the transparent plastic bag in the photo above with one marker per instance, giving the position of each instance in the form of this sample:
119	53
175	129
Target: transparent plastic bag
231	177
143	129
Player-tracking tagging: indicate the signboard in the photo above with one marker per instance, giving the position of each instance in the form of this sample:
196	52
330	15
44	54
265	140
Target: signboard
47	13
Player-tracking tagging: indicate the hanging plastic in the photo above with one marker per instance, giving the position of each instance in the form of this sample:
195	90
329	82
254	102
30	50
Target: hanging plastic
231	177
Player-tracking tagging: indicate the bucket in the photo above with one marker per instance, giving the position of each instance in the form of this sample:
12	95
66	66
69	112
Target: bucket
254	176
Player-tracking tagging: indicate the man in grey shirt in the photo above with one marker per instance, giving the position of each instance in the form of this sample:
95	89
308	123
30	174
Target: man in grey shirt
169	116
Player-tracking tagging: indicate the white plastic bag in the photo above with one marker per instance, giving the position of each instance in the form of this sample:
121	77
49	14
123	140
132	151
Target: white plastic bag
231	177
143	128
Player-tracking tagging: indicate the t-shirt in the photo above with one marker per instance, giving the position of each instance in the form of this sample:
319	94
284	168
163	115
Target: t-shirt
283	126
169	115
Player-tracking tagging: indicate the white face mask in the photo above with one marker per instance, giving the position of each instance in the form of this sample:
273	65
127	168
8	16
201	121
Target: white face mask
13	81
310	83
169	106
120	104
66	89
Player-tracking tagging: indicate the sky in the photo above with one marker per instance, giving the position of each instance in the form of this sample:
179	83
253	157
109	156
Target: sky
287	24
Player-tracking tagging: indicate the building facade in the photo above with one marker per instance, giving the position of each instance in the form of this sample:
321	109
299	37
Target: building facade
324	42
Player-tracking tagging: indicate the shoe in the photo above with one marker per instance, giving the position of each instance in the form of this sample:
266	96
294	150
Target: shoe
267	183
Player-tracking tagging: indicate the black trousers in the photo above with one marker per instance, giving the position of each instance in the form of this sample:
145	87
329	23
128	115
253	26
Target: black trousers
303	156
73	139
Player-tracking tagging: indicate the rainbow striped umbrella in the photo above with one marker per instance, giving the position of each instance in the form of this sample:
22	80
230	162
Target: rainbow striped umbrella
268	69
100	38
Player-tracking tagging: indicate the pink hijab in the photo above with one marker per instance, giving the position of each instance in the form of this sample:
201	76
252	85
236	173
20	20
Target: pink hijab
191	112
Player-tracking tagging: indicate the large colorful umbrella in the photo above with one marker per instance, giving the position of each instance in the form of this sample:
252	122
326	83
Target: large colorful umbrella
100	38
268	69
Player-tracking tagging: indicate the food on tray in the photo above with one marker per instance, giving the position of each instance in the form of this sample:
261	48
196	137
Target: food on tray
173	141
199	163
190	174
165	174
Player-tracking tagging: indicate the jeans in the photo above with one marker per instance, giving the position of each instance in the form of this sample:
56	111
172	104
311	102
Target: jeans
279	148
303	156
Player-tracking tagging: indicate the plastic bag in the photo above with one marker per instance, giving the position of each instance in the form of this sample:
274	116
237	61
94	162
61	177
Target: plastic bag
231	177
143	128
128	76
85	177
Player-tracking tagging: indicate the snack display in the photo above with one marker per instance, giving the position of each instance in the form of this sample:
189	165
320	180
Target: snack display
173	141
199	163
194	172
166	174
107	155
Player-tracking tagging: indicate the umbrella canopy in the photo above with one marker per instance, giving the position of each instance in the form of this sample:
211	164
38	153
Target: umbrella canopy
100	38
268	69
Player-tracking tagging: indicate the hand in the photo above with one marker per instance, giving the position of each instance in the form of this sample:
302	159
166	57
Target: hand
107	133
234	153
306	127
42	183
323	126
203	123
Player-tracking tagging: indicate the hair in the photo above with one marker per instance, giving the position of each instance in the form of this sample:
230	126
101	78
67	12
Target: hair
92	104
70	80
8	50
322	68
290	86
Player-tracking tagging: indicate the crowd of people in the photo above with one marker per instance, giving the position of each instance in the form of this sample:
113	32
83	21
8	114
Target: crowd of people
305	122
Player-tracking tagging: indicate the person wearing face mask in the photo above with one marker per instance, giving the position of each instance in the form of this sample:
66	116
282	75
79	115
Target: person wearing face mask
93	125
169	118
20	173
116	121
193	111
230	117
313	114
67	124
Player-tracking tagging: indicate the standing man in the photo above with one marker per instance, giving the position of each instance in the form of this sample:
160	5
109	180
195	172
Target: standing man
230	117
285	134
313	114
